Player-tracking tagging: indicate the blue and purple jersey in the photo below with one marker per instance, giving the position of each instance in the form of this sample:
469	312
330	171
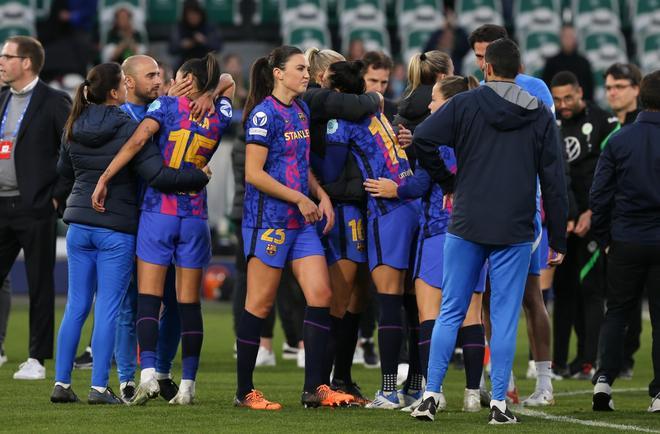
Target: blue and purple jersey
284	130
376	149
184	143
434	218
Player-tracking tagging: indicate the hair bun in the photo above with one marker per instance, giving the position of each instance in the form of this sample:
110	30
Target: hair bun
422	57
86	83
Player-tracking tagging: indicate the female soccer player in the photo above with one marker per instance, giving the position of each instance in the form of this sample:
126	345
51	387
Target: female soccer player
391	223
101	247
428	261
278	223
173	227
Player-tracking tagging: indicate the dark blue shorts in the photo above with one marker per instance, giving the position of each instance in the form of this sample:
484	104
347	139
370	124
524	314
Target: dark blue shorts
346	239
429	262
276	247
165	239
391	236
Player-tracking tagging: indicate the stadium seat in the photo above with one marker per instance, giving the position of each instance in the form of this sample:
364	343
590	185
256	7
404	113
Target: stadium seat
301	13
17	17
645	16
305	37
414	43
163	11
266	12
224	12
374	38
537	15
42	8
603	49
596	15
107	9
536	48
9	31
361	13
474	13
418	15
649	52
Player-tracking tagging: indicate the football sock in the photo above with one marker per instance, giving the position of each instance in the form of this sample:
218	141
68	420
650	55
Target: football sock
415	377
330	349
472	341
425	332
316	331
247	346
148	311
192	335
347	338
544	376
390	334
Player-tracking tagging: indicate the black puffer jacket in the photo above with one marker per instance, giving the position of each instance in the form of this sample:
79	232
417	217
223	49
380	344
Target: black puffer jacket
412	112
98	134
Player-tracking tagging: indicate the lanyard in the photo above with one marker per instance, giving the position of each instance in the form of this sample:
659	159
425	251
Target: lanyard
131	112
18	123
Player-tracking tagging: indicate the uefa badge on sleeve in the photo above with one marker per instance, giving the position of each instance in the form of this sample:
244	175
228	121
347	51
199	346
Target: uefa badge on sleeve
271	249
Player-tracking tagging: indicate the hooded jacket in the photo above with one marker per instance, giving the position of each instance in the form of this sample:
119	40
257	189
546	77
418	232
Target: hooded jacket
504	140
98	135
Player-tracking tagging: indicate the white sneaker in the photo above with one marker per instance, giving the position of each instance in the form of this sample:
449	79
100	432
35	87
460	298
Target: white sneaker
655	404
265	357
30	370
148	389
289	352
539	398
186	393
402	373
385	402
409	400
531	370
300	358
471	401
358	355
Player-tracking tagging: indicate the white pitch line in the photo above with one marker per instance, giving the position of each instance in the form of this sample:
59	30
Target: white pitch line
590	391
566	419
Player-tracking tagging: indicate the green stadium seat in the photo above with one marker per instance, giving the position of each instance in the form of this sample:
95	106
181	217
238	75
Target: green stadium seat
9	31
361	13
645	16
163	11
301	13
536	48
374	38
414	43
107	9
595	15
603	49
267	12
17	17
42	8
537	15
223	12
418	16
649	52
305	37
474	13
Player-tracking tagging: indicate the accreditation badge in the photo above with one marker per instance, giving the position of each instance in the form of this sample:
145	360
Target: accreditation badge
6	147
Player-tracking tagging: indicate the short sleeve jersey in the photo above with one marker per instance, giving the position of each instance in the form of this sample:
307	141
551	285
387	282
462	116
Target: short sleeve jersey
376	149
184	143
284	130
435	218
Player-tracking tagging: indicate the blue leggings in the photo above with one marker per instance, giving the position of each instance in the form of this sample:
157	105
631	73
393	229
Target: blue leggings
463	261
168	336
100	262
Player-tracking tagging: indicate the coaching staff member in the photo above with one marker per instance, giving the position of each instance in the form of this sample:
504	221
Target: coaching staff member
33	115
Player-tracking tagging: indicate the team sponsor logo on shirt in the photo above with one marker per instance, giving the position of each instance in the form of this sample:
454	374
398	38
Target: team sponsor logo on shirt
295	135
225	108
572	148
260	119
333	125
257	132
153	106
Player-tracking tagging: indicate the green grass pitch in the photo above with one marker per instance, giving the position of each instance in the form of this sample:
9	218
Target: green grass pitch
26	406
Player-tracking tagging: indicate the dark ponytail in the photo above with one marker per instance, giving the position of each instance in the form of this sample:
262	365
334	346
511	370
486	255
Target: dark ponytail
261	76
347	77
101	79
205	71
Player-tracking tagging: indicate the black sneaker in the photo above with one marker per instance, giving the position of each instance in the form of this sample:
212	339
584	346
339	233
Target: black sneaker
497	417
107	397
352	389
128	391
371	359
602	397
426	410
83	361
168	389
63	395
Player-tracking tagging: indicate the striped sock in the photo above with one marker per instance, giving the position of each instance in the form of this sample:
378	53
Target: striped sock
472	340
425	332
247	346
192	335
390	334
148	310
316	331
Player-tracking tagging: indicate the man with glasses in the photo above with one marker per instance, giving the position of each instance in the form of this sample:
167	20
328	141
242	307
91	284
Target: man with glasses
31	192
579	281
622	90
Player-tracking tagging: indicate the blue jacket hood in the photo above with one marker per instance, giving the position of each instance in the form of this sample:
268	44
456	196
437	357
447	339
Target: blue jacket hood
503	114
98	124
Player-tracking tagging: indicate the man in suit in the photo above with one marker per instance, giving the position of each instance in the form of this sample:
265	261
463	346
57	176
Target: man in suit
31	193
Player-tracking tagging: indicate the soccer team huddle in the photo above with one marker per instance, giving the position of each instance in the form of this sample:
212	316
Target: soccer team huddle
333	189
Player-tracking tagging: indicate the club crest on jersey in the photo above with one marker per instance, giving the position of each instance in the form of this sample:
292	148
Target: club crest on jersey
301	116
360	246
271	249
260	119
333	125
